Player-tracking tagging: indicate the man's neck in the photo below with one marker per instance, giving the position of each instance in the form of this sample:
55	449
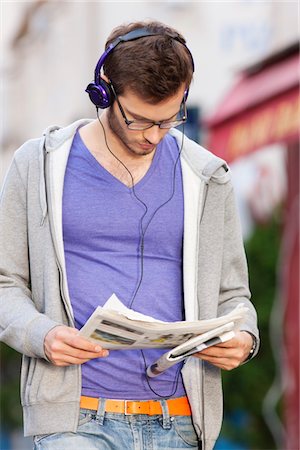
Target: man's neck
110	151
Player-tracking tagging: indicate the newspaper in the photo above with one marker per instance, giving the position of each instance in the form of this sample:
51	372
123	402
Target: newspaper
192	346
114	326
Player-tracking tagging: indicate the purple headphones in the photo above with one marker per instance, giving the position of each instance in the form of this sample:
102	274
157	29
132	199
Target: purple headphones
100	91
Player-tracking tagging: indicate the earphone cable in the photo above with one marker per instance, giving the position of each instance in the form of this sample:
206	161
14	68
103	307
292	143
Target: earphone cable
175	381
143	231
142	238
121	162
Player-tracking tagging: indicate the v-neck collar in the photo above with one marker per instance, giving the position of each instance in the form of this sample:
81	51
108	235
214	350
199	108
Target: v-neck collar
108	175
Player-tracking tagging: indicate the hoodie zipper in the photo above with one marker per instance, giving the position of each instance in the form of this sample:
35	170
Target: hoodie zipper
55	243
62	281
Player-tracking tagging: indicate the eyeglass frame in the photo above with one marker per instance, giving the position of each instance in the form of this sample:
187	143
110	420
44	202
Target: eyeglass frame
152	123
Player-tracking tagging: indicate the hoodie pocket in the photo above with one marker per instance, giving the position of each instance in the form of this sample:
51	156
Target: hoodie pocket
43	382
27	376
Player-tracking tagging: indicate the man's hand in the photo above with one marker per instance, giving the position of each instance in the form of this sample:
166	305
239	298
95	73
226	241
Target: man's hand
228	355
65	346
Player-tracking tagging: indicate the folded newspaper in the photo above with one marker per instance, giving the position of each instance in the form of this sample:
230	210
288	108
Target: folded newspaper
114	326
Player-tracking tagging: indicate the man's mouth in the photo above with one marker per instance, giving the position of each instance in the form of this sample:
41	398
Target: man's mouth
146	146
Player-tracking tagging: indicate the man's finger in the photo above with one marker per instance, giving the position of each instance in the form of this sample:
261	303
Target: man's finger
71	337
60	348
64	345
222	363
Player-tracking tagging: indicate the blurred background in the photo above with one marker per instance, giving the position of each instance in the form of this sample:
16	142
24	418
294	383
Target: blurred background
244	106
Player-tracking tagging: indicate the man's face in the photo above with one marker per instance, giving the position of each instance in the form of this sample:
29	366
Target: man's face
142	142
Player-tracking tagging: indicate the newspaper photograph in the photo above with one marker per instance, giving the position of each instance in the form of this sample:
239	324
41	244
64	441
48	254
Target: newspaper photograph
114	326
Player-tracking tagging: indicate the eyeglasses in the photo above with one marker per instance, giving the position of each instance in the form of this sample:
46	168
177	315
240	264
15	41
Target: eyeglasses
140	125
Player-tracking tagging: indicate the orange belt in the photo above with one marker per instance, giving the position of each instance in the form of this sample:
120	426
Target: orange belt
176	406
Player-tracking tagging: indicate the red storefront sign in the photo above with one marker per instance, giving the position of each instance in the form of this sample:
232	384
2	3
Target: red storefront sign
275	121
262	108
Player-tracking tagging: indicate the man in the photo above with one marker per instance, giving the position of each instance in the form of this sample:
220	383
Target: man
122	204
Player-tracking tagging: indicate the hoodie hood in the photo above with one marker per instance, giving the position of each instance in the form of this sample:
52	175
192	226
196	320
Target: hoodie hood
205	164
55	136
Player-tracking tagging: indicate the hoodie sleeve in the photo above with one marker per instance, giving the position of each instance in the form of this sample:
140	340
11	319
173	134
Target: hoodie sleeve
234	288
22	327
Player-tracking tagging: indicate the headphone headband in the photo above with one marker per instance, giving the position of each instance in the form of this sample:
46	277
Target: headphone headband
100	91
131	36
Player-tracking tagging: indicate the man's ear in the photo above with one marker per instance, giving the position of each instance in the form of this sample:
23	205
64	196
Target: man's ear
105	78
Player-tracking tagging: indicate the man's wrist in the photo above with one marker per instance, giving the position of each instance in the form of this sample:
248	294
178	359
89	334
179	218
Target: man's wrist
253	348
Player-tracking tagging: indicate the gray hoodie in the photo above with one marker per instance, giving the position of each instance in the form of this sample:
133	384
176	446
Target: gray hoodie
34	294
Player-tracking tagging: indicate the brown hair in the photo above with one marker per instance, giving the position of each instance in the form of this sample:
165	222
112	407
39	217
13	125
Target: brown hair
153	67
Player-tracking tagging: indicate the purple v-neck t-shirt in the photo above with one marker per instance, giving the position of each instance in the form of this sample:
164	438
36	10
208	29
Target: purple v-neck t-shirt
102	227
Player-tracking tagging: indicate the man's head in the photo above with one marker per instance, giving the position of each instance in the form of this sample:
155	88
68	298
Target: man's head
153	67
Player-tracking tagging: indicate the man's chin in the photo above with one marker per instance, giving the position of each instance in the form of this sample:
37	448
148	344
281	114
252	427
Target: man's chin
139	150
145	149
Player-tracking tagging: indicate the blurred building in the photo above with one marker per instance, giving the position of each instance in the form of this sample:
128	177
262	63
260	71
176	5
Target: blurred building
49	50
261	114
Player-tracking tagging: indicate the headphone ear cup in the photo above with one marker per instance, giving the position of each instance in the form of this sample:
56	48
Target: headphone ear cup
100	94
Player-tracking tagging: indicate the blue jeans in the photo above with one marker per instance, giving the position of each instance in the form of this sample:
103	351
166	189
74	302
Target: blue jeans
98	430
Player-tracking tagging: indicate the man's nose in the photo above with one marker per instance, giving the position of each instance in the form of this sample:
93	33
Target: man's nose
154	134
